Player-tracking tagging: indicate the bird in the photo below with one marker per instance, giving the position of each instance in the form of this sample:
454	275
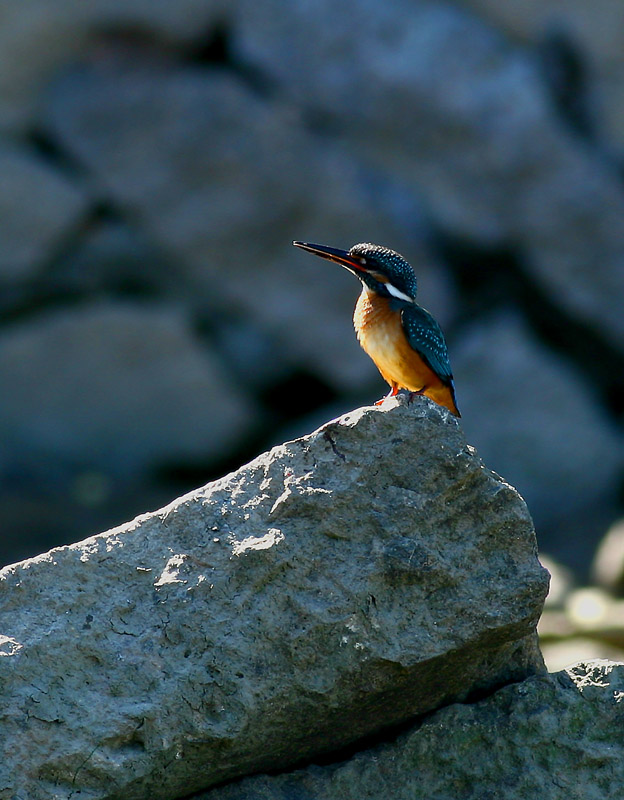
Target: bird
402	338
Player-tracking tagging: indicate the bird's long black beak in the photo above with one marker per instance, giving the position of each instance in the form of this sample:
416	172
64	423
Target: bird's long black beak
342	257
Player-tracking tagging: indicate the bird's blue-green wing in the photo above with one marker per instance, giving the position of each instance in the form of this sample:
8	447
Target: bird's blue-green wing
425	336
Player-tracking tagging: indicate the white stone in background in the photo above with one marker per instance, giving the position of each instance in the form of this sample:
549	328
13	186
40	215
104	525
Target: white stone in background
608	566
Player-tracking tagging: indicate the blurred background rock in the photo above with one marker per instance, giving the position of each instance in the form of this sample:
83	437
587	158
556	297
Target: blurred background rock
157	328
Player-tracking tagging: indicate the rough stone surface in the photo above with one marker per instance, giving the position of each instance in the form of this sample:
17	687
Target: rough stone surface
535	421
39	207
115	386
556	737
335	586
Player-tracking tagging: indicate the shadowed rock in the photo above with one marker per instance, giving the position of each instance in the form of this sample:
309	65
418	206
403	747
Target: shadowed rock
332	588
556	737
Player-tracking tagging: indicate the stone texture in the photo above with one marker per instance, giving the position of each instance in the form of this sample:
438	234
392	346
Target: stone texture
595	30
38	39
537	423
338	585
230	210
556	737
440	99
114	386
39	208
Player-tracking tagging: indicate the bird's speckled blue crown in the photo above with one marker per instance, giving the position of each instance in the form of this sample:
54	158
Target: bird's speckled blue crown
390	263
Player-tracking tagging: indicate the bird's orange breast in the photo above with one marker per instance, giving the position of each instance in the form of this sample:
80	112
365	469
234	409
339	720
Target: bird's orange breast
380	332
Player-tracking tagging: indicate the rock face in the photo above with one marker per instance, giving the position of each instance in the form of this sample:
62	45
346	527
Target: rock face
36	41
115	385
556	737
39	208
334	587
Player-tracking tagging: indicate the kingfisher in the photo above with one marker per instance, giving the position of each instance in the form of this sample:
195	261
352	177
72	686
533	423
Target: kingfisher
402	338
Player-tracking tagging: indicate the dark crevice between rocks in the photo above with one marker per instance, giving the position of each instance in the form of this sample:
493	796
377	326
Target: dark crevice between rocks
567	79
50	149
493	277
131	36
44	295
381	738
214	49
387	736
49	290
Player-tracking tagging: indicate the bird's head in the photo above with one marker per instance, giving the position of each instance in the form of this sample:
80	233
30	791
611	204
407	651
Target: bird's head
380	269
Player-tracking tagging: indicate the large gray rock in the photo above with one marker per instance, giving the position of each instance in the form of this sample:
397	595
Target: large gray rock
229	211
114	386
440	99
554	737
39	209
337	585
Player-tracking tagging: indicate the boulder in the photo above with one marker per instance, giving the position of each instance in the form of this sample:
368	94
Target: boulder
115	386
39	209
337	586
556	737
38	39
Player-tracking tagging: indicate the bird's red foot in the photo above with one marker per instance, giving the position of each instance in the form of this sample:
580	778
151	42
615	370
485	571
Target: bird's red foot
394	391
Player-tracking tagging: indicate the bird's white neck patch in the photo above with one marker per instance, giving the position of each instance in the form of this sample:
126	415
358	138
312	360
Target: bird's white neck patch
397	293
